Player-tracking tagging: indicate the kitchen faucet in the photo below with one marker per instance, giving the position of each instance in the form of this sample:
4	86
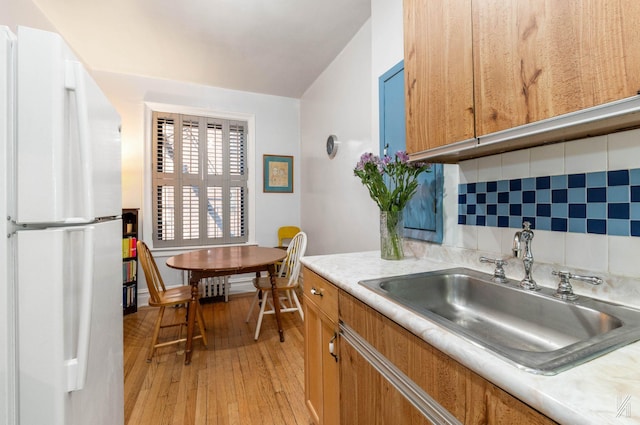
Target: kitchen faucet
522	249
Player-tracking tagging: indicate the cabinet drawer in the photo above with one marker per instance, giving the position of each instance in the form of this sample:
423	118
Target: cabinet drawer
320	292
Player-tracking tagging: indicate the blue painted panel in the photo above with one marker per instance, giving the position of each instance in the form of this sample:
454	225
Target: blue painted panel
423	214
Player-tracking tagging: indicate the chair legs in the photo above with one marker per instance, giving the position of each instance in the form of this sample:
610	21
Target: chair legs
156	333
297	301
201	325
289	296
158	325
256	296
265	300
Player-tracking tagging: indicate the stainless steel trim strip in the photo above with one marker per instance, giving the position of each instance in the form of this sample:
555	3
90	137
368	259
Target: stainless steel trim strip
617	114
452	148
422	401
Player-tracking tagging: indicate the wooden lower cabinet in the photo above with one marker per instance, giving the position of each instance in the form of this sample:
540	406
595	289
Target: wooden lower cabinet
367	398
321	368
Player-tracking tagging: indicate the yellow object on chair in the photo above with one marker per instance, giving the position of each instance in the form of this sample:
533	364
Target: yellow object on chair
285	234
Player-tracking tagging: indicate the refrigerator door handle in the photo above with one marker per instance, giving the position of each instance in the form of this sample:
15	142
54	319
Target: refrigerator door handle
74	83
77	366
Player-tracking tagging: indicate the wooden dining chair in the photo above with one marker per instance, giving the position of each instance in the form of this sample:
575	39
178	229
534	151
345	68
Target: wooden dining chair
287	280
160	296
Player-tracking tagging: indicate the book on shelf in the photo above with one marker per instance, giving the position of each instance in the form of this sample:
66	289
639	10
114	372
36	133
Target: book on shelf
129	249
129	269
128	296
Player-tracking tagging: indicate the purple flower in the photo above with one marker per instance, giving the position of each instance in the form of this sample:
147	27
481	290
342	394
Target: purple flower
364	159
391	181
402	156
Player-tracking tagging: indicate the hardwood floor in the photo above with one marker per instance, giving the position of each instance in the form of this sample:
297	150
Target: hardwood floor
235	380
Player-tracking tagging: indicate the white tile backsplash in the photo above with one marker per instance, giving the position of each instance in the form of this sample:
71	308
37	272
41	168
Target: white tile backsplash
547	160
586	251
489	239
549	247
624	150
506	240
489	168
468	171
450	204
585	155
515	165
623	256
469	239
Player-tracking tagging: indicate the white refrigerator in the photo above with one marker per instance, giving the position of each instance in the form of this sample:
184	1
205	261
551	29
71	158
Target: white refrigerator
61	354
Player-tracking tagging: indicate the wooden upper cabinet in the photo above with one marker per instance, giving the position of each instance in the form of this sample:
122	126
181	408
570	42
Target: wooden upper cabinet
438	68
539	59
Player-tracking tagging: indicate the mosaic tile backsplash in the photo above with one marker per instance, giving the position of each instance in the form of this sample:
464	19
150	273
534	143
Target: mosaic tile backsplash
604	202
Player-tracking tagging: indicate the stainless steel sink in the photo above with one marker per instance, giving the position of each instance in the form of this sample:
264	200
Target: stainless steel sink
532	329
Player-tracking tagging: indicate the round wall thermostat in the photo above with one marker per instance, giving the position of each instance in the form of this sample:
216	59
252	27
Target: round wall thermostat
332	146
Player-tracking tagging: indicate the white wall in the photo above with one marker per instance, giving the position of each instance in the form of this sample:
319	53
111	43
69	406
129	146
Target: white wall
336	211
276	132
387	46
25	13
277	129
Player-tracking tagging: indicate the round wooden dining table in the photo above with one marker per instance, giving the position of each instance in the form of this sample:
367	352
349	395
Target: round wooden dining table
224	261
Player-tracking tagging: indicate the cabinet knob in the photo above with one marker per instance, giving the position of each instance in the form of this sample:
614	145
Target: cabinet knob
314	291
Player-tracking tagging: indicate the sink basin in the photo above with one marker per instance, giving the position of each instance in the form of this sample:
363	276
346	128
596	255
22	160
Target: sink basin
531	329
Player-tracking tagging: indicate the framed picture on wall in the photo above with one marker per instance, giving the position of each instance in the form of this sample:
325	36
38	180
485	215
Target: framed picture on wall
278	173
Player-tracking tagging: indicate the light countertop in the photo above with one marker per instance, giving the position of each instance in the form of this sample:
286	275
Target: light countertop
592	393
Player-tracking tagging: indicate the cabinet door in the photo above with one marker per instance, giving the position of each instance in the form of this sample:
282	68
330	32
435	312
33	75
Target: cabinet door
321	368
504	409
330	374
368	397
539	59
438	73
313	361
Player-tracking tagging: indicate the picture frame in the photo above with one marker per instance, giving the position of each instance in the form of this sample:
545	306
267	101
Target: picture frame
277	173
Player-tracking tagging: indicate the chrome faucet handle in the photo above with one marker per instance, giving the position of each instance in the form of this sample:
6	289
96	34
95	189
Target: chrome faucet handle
565	291
498	273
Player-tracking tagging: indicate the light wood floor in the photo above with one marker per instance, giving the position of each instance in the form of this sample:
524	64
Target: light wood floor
235	380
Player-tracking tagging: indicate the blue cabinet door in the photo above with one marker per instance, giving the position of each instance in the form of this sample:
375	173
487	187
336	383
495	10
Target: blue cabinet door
423	214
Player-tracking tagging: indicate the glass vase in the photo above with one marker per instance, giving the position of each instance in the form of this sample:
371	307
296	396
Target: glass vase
391	228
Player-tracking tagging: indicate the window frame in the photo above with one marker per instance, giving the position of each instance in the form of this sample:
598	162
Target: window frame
148	189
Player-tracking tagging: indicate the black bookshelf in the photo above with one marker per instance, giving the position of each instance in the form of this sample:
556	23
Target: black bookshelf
129	260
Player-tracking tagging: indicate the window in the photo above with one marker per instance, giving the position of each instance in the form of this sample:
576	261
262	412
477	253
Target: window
199	180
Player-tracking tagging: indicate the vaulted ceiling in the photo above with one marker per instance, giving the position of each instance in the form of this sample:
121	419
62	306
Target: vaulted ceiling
274	47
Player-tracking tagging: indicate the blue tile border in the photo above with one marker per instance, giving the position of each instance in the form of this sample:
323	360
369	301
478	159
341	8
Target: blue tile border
602	202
